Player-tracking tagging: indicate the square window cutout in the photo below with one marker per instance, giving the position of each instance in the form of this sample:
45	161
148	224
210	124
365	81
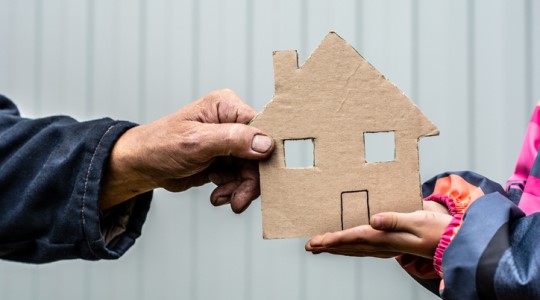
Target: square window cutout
379	147
299	153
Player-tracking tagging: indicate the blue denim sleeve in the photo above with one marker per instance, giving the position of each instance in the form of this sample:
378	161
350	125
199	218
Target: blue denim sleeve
50	173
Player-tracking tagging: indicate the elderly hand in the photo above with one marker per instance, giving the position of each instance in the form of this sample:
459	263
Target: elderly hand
389	235
208	140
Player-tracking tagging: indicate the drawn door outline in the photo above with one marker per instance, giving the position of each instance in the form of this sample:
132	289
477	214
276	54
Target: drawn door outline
354	208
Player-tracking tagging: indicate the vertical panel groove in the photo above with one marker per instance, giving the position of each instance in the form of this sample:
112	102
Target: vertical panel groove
471	81
248	262
89	95
89	88
142	60
358	30
141	116
415	82
6	80
195	49
414	52
304	29
195	63
38	51
528	19
37	100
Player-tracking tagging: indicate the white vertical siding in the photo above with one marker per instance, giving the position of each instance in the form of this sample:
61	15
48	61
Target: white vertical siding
470	65
533	47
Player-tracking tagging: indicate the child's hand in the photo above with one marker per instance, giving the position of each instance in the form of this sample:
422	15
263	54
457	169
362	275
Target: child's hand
389	235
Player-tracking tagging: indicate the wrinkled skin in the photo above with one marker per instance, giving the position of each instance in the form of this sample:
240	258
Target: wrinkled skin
208	140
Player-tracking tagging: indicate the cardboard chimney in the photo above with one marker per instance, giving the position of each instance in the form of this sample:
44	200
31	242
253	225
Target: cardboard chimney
336	100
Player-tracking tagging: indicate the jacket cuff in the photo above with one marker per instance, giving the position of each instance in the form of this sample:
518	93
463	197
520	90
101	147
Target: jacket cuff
446	238
456	208
93	224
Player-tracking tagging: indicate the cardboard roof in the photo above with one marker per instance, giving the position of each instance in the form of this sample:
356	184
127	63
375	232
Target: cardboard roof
334	99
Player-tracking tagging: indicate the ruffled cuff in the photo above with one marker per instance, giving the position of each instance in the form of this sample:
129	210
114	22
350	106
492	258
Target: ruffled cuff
446	238
456	208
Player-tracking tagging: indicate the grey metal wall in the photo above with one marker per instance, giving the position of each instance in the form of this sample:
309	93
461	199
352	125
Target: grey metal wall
472	66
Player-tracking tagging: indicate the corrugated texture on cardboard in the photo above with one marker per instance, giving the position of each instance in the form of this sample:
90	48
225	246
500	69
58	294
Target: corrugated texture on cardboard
334	98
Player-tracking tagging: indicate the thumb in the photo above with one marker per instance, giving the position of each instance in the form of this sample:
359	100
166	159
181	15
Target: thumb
234	139
393	221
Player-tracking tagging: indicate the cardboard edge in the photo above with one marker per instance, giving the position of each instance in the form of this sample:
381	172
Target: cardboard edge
429	128
274	53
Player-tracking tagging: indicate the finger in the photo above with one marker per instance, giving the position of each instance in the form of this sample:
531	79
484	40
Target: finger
223	170
246	192
315	241
221	106
392	221
179	185
361	234
232	109
249	189
377	254
236	140
315	244
222	200
223	193
355	251
364	239
360	252
352	250
219	178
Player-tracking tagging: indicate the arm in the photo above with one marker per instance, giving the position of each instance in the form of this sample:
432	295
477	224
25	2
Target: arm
494	255
57	174
50	171
489	250
416	237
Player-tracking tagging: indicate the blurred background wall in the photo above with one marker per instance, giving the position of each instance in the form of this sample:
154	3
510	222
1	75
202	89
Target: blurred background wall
472	66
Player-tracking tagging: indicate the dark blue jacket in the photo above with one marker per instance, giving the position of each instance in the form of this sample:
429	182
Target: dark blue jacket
491	248
50	173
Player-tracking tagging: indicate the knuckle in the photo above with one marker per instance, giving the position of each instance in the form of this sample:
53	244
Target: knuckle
236	133
223	95
213	97
394	222
192	141
237	130
227	105
230	137
226	91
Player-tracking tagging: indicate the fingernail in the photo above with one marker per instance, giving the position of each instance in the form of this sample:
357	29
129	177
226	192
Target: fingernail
376	222
316	241
261	143
221	200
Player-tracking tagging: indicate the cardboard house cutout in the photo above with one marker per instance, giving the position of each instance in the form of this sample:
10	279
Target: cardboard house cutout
334	100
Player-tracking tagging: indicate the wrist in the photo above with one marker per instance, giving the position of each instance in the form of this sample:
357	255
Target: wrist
456	207
123	177
449	233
